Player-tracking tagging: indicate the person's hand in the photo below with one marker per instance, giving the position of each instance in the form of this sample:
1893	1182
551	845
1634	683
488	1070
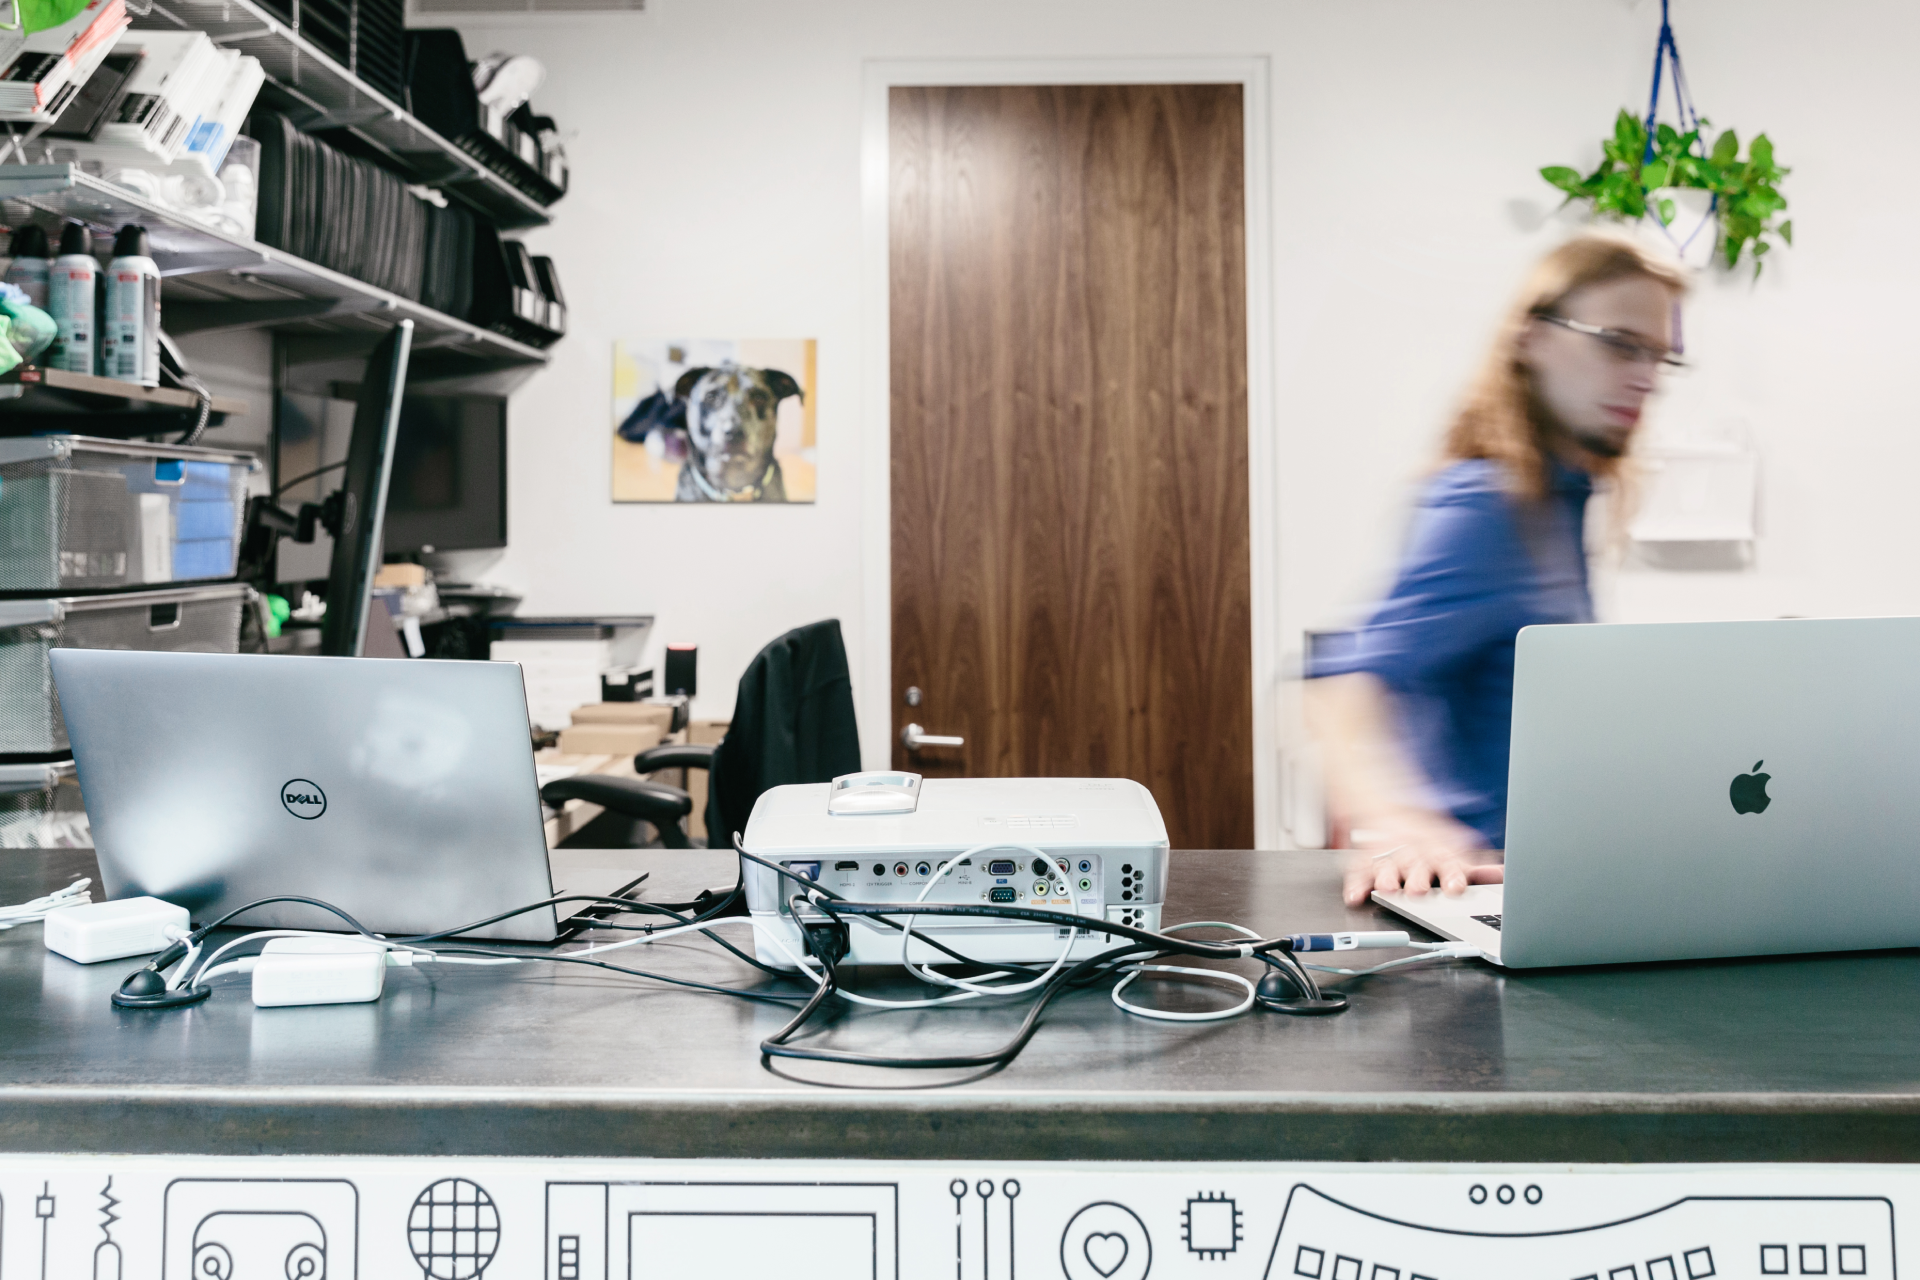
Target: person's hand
1419	850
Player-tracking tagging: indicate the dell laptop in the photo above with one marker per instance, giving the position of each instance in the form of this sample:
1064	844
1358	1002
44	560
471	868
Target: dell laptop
1683	791
401	791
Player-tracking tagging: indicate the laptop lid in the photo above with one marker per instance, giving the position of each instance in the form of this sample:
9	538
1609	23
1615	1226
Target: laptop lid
1713	789
402	792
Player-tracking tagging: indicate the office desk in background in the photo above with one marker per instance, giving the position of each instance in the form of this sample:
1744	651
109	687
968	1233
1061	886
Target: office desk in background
1683	1120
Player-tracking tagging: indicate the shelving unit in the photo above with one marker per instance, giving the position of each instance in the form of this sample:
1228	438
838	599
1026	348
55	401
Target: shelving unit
103	406
318	93
212	281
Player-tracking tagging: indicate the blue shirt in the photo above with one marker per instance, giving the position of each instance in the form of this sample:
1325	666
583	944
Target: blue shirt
1479	565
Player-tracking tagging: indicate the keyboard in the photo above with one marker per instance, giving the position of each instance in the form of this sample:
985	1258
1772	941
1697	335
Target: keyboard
1492	922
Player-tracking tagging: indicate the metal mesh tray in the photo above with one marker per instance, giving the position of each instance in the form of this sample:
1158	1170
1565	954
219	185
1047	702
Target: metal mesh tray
183	620
84	514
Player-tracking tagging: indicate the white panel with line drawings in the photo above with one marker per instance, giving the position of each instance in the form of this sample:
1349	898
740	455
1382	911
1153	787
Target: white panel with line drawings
1693	1238
275	1229
798	1231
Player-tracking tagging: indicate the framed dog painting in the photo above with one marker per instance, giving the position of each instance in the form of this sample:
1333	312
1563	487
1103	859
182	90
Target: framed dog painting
713	420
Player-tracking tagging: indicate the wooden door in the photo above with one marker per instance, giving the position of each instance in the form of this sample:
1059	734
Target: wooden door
1069	433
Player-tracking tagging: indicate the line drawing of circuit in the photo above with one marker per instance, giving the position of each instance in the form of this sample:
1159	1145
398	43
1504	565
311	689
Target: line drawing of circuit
276	1229
1692	1238
984	1236
796	1230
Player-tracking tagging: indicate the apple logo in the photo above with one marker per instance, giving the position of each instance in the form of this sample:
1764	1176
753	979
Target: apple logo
1749	791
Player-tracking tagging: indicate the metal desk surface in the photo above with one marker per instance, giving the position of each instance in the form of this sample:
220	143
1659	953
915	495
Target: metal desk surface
1804	1058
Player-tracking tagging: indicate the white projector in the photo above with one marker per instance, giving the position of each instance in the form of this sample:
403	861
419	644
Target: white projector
1092	847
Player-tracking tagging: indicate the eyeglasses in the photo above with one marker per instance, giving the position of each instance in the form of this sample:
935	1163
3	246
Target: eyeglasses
1622	346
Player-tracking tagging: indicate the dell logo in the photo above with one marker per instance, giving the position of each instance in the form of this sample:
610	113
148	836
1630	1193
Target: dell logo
303	799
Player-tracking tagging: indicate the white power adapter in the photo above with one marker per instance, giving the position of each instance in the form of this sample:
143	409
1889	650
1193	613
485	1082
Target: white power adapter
291	971
114	930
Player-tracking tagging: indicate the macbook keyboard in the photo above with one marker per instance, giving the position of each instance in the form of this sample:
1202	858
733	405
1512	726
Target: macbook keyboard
1492	922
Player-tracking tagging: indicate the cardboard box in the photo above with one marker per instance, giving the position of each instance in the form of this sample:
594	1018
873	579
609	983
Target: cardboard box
709	732
401	575
624	713
608	739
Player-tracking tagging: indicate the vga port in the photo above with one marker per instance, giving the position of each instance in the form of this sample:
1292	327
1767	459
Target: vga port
1002	867
1003	895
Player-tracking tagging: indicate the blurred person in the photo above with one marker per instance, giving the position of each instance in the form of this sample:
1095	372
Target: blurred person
1413	710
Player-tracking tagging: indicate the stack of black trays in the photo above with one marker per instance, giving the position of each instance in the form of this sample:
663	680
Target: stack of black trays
367	37
440	91
354	217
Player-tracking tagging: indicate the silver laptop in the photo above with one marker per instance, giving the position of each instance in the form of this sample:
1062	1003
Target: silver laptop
1681	791
402	792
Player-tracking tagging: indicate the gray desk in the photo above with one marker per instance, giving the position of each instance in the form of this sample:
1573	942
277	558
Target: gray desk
1804	1059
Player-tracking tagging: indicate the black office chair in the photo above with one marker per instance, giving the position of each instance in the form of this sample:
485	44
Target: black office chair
792	722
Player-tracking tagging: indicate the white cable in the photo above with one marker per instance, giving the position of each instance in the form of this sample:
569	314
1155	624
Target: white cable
807	964
187	965
657	935
1210	975
927	974
1436	951
74	895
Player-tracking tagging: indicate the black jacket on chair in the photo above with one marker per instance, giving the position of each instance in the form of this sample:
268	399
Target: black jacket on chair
792	722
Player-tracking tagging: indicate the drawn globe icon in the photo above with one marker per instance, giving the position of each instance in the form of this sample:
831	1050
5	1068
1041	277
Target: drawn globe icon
453	1230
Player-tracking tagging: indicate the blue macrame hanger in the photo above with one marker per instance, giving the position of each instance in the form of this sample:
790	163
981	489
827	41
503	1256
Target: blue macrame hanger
1664	53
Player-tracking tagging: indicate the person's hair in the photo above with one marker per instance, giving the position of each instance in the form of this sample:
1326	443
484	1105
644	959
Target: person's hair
1501	418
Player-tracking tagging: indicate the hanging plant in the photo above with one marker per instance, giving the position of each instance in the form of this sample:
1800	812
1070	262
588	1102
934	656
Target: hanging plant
1643	158
1746	194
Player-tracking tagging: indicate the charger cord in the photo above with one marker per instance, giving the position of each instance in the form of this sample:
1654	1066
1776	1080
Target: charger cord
74	895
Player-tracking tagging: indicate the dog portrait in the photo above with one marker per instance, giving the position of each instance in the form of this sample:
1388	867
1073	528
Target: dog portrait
713	420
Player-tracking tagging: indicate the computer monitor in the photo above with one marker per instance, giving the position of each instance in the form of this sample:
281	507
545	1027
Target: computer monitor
357	544
449	490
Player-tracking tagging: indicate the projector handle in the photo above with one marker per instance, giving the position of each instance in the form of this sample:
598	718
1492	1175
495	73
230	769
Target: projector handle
913	737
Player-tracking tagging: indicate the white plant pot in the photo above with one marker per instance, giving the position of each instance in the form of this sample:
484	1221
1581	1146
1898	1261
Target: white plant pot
1692	233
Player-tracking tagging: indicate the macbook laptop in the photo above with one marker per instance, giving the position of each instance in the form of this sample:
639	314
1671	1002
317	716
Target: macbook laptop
403	792
1682	791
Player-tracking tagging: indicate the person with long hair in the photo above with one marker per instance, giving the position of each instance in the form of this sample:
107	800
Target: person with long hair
1414	709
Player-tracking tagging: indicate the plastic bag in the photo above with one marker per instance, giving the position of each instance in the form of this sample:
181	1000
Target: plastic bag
31	330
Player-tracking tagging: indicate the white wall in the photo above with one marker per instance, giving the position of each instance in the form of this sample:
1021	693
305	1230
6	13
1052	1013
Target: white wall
716	150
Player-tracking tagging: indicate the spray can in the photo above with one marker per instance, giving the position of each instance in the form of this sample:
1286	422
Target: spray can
70	300
30	263
130	330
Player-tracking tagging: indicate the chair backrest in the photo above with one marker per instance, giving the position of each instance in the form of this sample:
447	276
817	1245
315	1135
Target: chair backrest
792	722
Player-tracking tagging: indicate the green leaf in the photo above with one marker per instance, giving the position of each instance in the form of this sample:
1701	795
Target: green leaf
1786	231
1666	212
1568	180
1726	148
1665	136
1654	175
1760	151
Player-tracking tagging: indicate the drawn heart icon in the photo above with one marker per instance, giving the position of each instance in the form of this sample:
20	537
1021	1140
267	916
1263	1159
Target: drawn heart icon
1106	1251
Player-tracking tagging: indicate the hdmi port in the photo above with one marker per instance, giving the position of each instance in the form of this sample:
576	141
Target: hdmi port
1003	895
846	866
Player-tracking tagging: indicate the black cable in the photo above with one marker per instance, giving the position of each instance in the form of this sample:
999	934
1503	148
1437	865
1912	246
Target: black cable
300	479
777	1045
628	904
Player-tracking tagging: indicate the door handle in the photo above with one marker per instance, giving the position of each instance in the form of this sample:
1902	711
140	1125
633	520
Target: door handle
913	737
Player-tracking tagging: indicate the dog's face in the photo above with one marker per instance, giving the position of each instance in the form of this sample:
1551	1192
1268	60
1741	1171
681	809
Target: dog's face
732	414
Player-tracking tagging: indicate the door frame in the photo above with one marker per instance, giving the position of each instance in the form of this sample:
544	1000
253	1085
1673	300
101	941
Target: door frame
874	706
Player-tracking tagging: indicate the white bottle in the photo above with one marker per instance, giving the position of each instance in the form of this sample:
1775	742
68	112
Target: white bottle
70	300
130	330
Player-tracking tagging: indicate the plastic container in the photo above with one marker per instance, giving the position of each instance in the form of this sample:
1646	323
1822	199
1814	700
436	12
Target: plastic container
40	807
184	620
84	514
